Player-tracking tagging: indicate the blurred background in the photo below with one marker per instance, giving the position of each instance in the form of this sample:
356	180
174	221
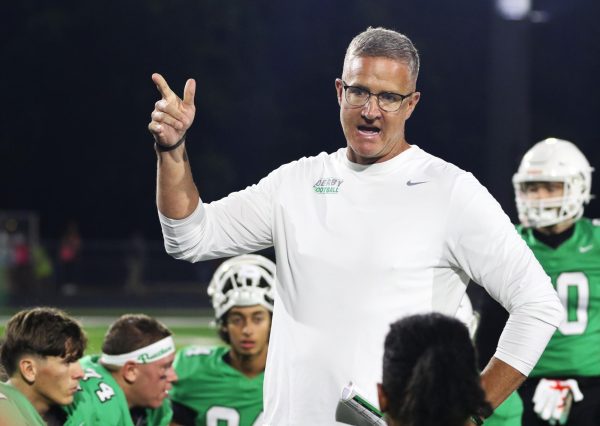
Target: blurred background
78	223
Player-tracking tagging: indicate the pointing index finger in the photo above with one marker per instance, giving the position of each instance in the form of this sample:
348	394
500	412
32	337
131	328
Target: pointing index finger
162	86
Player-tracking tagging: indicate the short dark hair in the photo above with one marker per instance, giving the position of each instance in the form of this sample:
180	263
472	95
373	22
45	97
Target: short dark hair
385	43
131	332
430	373
42	332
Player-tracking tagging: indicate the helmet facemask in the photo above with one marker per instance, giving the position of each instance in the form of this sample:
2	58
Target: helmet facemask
552	160
542	212
245	280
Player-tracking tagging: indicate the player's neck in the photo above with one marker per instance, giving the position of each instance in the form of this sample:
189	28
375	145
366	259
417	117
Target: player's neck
125	386
40	403
556	229
556	236
248	365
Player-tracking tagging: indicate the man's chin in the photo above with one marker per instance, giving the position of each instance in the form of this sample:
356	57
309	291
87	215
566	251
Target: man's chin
158	402
364	153
68	399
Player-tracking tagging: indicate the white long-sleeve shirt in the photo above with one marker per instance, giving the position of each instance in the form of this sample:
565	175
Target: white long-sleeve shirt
358	247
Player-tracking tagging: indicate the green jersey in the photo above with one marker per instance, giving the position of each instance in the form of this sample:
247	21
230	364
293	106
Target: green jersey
217	393
574	268
509	413
101	401
15	408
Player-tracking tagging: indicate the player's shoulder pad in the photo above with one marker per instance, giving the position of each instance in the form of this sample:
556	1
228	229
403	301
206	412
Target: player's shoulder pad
197	351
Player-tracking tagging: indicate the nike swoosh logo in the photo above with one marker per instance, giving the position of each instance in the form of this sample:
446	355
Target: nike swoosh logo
585	249
411	183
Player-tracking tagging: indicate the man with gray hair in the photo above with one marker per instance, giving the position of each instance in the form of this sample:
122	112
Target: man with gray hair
377	230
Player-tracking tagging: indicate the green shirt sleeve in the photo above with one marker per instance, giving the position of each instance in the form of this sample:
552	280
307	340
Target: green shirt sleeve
16	410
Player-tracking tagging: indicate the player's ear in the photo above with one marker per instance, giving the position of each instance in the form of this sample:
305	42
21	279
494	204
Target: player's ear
130	372
28	369
223	328
383	400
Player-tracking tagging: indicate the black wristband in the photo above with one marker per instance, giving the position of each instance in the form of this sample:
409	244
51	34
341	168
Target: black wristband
165	148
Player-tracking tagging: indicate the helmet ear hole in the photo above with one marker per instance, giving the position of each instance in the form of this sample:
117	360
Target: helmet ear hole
553	160
245	280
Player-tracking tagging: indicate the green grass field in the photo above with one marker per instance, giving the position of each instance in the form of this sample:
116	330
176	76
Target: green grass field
186	331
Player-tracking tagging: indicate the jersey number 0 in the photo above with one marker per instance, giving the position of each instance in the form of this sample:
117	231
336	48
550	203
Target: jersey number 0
574	293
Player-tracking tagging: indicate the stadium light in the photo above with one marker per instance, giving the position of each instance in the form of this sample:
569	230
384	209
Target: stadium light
514	10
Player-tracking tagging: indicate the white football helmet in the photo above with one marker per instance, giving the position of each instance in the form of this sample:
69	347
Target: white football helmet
245	280
553	160
467	315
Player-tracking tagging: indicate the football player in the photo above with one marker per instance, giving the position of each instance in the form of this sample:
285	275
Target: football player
552	185
430	375
40	352
225	383
128	383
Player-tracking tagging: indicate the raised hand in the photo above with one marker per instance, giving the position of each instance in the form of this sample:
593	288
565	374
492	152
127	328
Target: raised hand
172	116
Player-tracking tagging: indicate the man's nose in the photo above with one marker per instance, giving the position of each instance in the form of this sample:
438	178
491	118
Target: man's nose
248	328
171	375
77	371
371	109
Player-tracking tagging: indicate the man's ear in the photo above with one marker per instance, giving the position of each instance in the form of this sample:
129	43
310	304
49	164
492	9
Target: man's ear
224	327
383	400
130	372
28	368
412	103
339	89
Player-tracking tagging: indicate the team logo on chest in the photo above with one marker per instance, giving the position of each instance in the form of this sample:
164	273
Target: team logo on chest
330	185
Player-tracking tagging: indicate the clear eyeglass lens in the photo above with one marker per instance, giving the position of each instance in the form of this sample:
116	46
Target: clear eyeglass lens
387	101
356	97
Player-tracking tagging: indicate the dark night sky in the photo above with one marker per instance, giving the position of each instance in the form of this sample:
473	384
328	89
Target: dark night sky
77	94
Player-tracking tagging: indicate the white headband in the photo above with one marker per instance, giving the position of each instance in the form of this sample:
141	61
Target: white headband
154	352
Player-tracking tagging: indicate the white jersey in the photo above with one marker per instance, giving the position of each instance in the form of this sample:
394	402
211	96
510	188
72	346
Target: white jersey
357	248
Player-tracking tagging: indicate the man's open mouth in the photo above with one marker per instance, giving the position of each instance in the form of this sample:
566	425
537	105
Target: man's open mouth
369	130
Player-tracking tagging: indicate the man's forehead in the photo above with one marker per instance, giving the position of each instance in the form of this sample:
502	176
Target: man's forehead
248	310
161	363
373	69
544	183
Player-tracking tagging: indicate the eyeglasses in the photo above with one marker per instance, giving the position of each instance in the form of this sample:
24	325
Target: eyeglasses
387	101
